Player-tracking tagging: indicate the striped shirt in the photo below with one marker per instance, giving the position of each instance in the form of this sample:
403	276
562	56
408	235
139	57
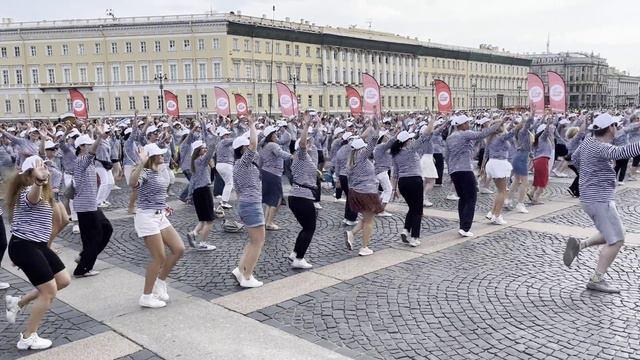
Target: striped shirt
152	190
272	158
56	175
594	160
362	174
84	180
303	172
130	151
341	159
185	152
32	221
499	147
246	178
103	153
406	163
224	151
68	160
523	139
382	158
459	148
284	140
201	176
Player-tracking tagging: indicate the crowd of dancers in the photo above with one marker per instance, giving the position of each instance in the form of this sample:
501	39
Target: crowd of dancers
59	173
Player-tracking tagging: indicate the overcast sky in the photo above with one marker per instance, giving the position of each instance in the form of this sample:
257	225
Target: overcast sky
610	28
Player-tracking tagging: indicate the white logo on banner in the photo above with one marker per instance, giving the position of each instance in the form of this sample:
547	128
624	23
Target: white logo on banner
354	102
78	105
241	107
556	92
171	105
536	94
285	101
223	103
371	95
443	98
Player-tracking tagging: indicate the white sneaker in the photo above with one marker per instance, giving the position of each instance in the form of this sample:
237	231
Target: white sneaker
203	246
498	220
384	214
292	256
103	205
465	233
301	264
365	251
250	283
225	205
427	203
484	190
562	175
349	239
554	172
76	229
13	309
107	202
89	273
236	272
116	187
349	223
160	290
151	301
4	285
620	183
317	206
33	342
508	203
521	208
453	197
413	242
489	215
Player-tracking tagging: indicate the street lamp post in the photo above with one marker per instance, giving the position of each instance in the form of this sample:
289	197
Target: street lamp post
433	95
473	89
519	89
294	79
161	77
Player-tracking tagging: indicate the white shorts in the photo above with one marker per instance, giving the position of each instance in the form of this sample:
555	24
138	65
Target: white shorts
498	169
128	169
150	222
428	167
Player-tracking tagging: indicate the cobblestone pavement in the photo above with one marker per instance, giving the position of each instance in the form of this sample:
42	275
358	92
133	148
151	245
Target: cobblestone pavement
504	296
208	274
62	324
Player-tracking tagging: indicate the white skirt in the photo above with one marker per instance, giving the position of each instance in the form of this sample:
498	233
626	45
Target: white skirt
498	169
428	167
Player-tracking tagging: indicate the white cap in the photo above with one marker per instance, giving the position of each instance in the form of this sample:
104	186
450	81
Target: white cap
439	122
405	135
459	120
83	140
347	135
281	123
269	130
349	123
222	131
482	121
141	122
153	149
11	129
151	129
602	121
73	133
338	130
240	141
422	123
30	162
563	122
358	144
49	145
541	128
59	133
386	120
382	133
196	144
165	125
127	131
29	131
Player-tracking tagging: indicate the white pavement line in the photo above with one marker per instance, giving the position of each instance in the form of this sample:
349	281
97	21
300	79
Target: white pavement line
104	346
361	265
272	293
196	329
631	239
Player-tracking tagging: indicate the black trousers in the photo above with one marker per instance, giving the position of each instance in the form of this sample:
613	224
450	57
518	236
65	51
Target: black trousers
411	190
575	185
306	214
466	188
621	168
218	183
338	191
95	232
318	191
348	213
185	193
439	160
3	239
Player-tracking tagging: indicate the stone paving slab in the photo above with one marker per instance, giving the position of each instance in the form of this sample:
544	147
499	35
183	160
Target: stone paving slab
505	295
105	346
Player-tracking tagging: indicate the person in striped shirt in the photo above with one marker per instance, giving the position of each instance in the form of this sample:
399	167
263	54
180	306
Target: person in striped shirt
29	203
60	216
594	160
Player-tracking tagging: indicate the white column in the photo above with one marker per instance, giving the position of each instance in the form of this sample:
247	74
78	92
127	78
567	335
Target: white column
332	71
384	67
349	67
416	72
340	65
325	65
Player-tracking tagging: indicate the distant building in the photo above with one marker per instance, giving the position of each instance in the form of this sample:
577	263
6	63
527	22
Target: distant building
623	89
585	75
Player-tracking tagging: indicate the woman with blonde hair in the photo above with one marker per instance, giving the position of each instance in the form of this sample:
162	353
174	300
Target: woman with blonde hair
152	225
496	166
520	164
30	207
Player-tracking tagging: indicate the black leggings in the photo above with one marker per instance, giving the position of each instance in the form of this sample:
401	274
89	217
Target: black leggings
411	190
621	168
306	214
348	213
3	239
439	160
466	188
575	185
95	232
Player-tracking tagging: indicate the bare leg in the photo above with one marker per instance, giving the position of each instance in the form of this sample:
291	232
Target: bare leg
356	229
501	185
132	201
60	220
524	184
368	224
156	249
171	238
595	240
608	253
46	293
206	229
252	251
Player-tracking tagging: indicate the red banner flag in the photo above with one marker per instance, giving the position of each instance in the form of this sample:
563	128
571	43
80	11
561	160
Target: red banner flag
171	104
371	94
78	104
294	97
354	100
222	101
557	92
241	105
536	93
285	98
443	95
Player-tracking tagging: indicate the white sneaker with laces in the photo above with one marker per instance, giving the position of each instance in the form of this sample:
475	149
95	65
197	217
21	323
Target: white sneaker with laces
465	233
413	242
349	223
236	272
427	203
292	256
225	205
33	342
75	229
317	206
349	239
250	283
103	205
13	309
384	214
489	215
453	197
301	264
116	187
4	285
89	273
621	183
150	301
521	208
484	190
203	246
365	251
160	290
498	220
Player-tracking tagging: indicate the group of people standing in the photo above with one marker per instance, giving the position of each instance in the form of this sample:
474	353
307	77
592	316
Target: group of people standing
370	160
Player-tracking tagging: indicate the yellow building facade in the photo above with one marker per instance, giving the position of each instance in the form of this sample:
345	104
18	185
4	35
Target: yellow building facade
118	63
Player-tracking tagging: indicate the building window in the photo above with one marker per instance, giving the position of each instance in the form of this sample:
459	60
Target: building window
127	47
310	101
3	52
34	77
339	100
132	102
54	106
16	51
278	49
217	70
66	75
7	106
215	43
99	75
49	50
98	48
189	101
158	70
19	76
144	72
268	47
118	103
200	44
247	45
279	72
157	46
270	99
247	70
159	102
21	106
296	50
187	72
269	72
187	45
101	106
259	100
33	50
173	71
37	105
145	102
115	73
330	101
202	71
318	53
256	46
129	70
236	70
235	45
172	45
203	101
51	76
114	47
143	46
258	73
287	49
308	51
5	77
80	49
320	101
319	74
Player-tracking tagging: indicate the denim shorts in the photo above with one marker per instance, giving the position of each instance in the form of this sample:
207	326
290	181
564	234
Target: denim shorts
251	214
520	163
